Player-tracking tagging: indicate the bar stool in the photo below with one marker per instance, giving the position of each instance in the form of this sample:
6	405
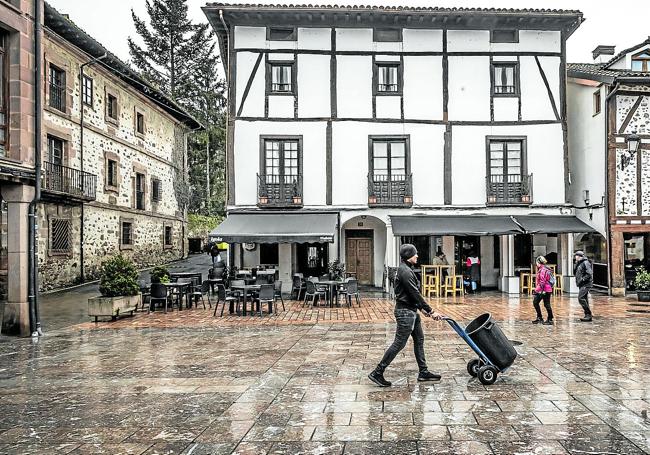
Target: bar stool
430	286
557	289
525	283
454	285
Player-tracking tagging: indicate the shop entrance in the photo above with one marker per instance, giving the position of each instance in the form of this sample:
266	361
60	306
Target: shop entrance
359	254
465	247
312	258
637	254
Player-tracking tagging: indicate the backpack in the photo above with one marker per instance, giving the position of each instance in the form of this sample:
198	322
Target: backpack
552	279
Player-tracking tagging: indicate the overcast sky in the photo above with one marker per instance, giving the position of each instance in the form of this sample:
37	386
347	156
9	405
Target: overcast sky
622	23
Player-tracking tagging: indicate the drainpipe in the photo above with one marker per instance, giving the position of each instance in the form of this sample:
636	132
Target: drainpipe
81	155
32	259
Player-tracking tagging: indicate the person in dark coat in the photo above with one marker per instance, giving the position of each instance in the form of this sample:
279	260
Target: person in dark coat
584	275
408	301
473	270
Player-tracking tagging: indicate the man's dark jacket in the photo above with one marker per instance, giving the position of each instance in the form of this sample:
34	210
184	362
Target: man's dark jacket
584	273
407	290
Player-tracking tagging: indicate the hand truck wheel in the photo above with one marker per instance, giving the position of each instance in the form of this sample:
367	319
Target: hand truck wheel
473	367
487	374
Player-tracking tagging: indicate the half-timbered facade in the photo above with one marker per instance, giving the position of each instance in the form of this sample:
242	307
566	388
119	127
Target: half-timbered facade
609	114
429	125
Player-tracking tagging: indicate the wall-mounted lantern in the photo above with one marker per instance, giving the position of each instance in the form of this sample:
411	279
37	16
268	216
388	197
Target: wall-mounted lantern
633	144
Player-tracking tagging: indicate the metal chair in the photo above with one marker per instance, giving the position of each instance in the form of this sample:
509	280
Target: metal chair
314	292
352	289
277	286
227	296
145	294
266	295
158	293
297	286
202	291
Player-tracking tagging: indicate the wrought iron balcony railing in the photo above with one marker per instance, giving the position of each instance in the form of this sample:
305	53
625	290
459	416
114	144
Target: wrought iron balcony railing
390	190
279	190
509	189
69	181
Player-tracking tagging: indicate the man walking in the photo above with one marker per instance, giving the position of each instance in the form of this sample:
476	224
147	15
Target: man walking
408	301
585	280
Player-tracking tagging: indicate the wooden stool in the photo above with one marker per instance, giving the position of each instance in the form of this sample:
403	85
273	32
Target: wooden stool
557	289
454	285
525	283
430	286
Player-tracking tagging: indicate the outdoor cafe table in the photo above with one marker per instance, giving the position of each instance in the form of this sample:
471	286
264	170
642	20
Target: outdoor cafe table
182	288
246	289
187	275
333	285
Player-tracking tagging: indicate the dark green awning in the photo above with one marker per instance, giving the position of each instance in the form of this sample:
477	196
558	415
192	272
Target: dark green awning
454	225
553	224
276	227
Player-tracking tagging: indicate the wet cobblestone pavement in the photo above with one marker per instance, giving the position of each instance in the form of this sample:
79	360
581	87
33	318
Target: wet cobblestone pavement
187	383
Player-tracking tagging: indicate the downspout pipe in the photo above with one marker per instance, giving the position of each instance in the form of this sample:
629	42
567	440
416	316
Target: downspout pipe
82	273
32	260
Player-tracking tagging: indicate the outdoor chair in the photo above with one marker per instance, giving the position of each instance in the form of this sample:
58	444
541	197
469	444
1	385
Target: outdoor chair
277	286
158	294
200	292
227	296
314	292
266	295
352	289
297	286
145	295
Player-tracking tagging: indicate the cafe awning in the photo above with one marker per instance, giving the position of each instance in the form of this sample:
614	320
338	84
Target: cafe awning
454	225
276	227
553	224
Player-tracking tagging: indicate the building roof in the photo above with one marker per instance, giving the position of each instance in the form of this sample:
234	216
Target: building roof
71	32
624	52
601	73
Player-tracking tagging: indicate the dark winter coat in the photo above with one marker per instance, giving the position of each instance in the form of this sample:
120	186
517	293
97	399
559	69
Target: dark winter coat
407	290
584	273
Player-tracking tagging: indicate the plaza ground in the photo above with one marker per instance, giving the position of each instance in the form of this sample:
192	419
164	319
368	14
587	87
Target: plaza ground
189	383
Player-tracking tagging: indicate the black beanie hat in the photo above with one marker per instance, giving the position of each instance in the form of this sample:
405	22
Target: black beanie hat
407	251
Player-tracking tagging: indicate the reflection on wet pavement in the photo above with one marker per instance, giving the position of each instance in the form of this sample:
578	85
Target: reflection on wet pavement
253	388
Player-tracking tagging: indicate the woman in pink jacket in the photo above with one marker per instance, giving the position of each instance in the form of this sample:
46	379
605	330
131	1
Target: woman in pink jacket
543	291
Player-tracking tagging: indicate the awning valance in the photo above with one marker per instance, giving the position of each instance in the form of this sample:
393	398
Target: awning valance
454	225
277	227
553	224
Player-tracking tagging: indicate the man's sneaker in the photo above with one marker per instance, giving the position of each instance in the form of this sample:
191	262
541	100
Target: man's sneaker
538	321
586	319
548	322
428	376
378	378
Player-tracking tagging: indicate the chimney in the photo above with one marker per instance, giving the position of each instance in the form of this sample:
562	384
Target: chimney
602	53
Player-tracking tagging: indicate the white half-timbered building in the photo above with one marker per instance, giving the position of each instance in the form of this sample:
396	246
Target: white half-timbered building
354	129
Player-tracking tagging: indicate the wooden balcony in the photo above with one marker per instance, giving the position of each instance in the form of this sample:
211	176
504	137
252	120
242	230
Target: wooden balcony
390	190
276	191
68	182
509	189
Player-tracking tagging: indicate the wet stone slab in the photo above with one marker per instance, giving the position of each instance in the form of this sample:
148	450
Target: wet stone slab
191	384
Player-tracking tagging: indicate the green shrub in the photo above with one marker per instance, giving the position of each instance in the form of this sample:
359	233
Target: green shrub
118	277
159	274
336	270
642	279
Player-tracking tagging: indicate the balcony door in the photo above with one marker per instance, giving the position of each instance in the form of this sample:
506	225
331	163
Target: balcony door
281	169
54	167
389	170
506	167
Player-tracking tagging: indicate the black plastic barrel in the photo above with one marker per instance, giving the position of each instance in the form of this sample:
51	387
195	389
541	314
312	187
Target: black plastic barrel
487	335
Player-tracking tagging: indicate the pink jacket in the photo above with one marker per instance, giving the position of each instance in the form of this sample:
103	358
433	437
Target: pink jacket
543	280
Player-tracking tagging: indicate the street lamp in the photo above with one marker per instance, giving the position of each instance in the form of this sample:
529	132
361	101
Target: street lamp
633	144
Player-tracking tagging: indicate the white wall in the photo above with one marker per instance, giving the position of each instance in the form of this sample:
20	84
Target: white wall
354	86
535	102
313	71
254	105
423	87
469	88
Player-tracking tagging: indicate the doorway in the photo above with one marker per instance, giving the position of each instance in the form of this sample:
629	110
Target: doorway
312	258
637	249
359	247
468	246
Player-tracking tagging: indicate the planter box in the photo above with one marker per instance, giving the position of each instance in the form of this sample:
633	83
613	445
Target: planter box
112	306
643	296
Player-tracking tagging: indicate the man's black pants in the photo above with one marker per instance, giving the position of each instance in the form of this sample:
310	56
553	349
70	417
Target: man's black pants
583	298
408	324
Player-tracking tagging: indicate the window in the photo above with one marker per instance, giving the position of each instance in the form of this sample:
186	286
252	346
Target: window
281	160
597	102
126	233
387	34
281	77
111	173
504	36
59	236
506	158
269	253
507	180
504	79
641	61
139	191
389	160
111	106
4	94
168	236
139	123
87	91
156	190
388	78
281	34
57	88
55	148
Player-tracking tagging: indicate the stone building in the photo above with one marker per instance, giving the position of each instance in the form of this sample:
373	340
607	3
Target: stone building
113	162
609	141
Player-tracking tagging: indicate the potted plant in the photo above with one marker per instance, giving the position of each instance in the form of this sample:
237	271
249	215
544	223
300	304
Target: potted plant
119	288
336	270
642	284
297	199
372	199
159	274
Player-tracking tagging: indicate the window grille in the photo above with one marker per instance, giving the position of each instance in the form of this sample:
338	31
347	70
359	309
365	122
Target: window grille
59	236
57	88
